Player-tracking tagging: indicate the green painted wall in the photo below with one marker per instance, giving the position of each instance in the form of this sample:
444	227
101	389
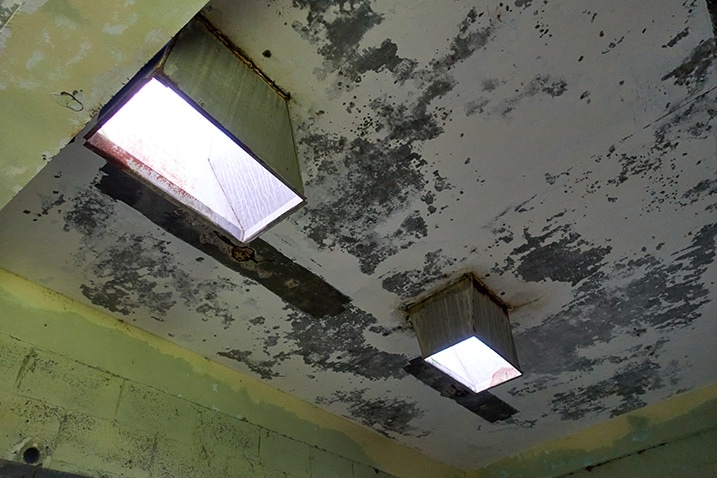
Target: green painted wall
675	438
61	61
108	399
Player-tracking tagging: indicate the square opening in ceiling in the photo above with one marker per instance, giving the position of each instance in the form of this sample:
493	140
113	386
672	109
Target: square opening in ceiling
464	331
209	132
474	364
167	142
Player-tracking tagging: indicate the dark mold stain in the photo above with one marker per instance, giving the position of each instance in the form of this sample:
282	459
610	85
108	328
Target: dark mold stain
476	106
336	27
263	368
467	42
413	224
379	58
88	213
629	384
259	261
706	187
658	165
7	12
677	38
411	283
484	404
338	343
540	84
612	45
650	294
137	273
560	255
361	181
693	72
382	178
385	415
130	270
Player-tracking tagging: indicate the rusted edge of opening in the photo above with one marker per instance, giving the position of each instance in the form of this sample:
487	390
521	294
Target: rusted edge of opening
239	53
476	282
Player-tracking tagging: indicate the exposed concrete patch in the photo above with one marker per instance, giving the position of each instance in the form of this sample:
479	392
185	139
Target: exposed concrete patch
385	415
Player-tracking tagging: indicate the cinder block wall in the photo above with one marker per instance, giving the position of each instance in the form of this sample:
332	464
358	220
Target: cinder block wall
93	422
102	398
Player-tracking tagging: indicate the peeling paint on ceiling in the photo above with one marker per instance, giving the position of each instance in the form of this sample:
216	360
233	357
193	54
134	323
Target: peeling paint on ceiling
564	152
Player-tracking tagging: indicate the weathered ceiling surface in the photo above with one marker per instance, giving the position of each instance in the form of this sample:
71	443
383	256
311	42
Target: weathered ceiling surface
562	151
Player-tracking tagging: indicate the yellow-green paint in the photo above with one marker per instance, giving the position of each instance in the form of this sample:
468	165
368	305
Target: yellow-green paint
665	423
69	366
102	347
61	60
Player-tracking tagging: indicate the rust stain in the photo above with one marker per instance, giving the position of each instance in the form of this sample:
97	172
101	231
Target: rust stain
239	53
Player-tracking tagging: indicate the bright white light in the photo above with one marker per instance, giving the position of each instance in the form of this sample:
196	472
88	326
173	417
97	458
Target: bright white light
167	142
474	364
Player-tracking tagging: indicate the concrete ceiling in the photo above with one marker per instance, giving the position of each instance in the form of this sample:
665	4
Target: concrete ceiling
561	151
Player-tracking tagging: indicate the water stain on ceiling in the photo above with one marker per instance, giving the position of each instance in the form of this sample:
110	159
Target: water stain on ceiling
563	153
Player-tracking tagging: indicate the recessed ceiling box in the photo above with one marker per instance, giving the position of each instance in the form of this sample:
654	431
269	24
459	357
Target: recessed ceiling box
464	331
203	127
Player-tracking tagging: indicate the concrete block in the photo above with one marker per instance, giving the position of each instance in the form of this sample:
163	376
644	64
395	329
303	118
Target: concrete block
328	465
12	355
97	447
25	422
69	384
284	454
224	434
175	459
149	409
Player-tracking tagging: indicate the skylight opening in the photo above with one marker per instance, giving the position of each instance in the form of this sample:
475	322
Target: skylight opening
474	364
164	140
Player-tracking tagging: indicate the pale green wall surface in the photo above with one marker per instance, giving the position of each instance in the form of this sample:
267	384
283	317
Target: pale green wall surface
690	457
676	438
62	60
108	399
